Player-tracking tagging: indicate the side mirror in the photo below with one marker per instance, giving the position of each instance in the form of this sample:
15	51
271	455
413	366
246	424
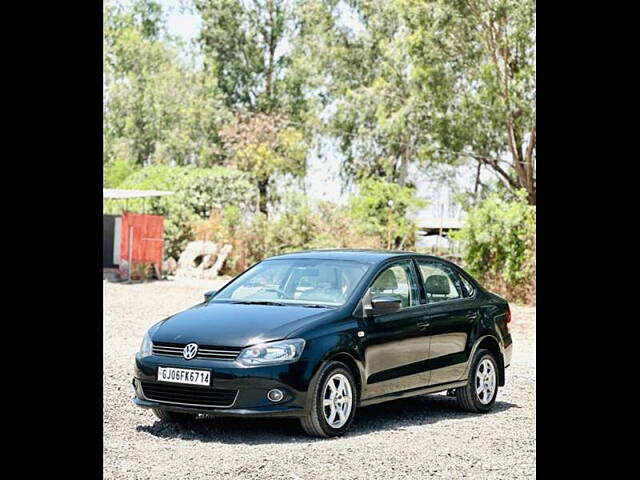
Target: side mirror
383	305
209	294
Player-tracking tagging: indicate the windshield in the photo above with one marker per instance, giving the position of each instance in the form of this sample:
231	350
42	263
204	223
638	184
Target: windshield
296	282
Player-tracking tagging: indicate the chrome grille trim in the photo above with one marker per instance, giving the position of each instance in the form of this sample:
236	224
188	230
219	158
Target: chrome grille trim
216	353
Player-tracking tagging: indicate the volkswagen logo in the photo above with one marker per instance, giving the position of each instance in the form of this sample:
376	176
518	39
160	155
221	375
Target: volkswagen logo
190	351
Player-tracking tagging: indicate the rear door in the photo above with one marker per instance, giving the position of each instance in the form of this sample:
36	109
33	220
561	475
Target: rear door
451	315
397	348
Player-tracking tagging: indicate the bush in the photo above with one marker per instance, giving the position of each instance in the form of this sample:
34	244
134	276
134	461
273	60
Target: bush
116	171
498	245
198	193
301	226
381	210
298	226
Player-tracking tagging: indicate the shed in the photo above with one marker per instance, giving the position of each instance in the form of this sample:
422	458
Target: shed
132	237
429	225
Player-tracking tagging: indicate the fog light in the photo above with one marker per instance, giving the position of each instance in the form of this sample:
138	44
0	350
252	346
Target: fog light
275	395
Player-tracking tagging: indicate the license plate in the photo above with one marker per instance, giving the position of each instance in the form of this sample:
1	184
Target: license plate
183	375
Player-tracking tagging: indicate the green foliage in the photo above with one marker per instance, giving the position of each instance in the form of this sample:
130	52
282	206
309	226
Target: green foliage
265	147
293	229
299	225
116	171
369	87
498	241
381	209
392	83
474	65
249	47
157	109
198	193
428	81
368	222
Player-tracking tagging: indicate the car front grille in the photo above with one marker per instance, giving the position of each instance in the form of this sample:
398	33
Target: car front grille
189	395
204	352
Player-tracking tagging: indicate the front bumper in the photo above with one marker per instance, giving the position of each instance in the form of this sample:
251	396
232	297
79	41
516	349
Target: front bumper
268	411
251	383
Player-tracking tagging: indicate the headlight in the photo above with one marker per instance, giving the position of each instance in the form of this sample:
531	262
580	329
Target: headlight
146	347
285	351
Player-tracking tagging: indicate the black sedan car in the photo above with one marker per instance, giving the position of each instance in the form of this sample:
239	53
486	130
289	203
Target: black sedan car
314	335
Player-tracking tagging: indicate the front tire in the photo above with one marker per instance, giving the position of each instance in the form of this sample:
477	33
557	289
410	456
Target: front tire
173	417
482	389
334	398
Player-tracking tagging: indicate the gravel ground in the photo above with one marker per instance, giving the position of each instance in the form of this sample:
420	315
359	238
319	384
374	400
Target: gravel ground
421	437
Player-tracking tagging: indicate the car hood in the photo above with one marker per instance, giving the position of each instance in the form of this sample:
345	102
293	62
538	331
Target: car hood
234	325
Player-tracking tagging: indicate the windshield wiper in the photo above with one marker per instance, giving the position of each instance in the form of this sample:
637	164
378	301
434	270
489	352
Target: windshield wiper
281	304
259	302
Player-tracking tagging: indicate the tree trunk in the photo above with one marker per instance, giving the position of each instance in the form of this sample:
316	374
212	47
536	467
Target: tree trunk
531	196
263	190
403	168
477	185
271	47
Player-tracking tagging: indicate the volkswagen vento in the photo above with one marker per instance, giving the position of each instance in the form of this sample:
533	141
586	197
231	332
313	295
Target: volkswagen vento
316	335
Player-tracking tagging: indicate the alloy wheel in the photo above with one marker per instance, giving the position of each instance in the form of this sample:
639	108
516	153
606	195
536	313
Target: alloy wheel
337	400
485	381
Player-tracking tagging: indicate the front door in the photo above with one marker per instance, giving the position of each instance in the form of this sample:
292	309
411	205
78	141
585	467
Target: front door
397	345
451	317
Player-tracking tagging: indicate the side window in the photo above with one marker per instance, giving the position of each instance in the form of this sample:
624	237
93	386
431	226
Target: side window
468	286
440	283
398	281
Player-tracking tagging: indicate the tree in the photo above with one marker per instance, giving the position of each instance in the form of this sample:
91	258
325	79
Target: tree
498	244
247	47
429	81
264	146
382	209
475	63
367	87
157	108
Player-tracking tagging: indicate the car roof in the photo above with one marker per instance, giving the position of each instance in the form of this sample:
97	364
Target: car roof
360	255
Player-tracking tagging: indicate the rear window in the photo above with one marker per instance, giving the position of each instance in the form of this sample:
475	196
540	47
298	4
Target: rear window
468	286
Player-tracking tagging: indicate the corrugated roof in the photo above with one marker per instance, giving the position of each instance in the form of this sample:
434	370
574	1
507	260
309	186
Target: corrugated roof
117	193
428	222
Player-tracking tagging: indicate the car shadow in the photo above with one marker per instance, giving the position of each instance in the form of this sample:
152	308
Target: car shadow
393	415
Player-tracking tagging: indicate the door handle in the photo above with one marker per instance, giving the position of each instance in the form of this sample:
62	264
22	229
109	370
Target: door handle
423	325
472	316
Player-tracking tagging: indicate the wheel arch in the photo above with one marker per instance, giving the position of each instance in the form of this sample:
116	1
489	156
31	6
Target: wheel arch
491	343
350	359
354	366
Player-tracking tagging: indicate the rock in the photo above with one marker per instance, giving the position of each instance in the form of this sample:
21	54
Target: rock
170	266
202	259
123	270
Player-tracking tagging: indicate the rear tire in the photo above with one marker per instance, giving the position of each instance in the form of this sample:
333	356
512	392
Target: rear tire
482	389
336	402
173	417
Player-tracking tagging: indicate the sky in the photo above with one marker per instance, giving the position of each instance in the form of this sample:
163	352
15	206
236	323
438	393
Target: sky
184	24
323	182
